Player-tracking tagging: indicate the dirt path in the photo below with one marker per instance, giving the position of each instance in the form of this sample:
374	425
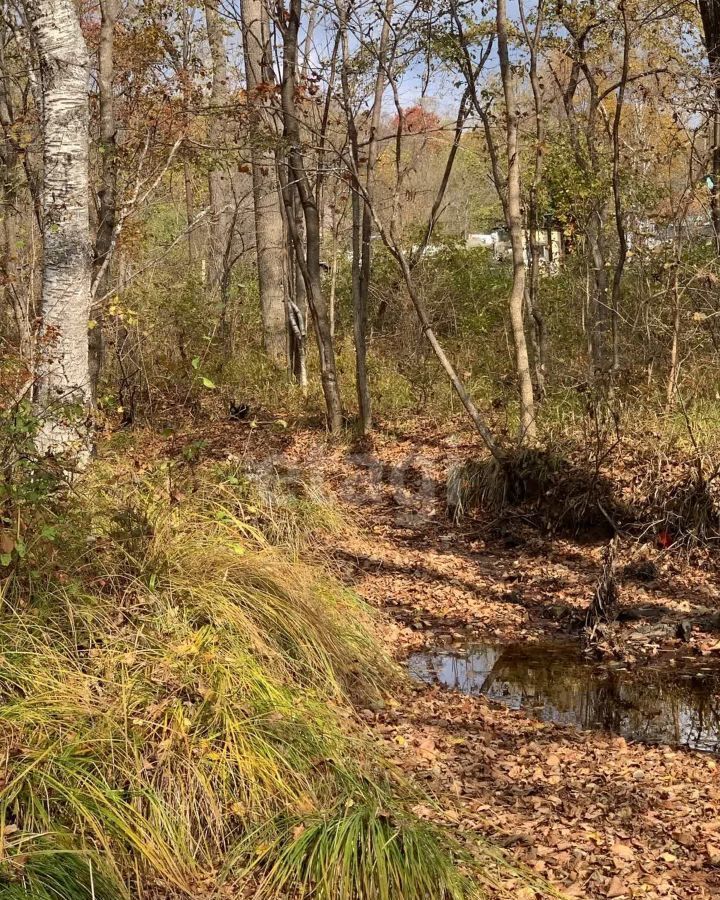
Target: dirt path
597	815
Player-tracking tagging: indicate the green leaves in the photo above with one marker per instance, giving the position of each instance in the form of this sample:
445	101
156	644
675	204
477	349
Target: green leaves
206	382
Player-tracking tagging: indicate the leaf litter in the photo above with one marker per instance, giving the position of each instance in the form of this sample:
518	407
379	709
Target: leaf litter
596	815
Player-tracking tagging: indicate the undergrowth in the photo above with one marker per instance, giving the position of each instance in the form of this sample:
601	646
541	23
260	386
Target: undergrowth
177	713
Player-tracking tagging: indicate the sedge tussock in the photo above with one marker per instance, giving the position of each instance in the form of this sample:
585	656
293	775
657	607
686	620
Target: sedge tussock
177	693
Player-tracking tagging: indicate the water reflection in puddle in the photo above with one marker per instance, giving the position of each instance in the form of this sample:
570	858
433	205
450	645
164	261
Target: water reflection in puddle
680	708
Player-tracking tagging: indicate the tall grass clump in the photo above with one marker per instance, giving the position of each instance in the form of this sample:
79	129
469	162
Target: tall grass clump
177	705
542	484
289	506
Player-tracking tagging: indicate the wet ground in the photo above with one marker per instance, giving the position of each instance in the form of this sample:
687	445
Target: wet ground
674	702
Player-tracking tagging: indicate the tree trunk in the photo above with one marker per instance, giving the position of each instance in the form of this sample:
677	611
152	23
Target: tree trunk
710	15
359	255
269	232
296	180
297	301
674	358
189	211
219	182
63	397
17	301
359	297
107	192
601	324
617	195
366	217
539	332
528	429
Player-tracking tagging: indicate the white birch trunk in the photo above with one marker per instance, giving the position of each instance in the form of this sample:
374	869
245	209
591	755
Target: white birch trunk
63	392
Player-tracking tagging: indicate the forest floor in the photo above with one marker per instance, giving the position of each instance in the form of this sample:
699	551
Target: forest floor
595	814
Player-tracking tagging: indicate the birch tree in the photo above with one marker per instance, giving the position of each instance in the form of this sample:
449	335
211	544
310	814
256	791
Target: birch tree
62	391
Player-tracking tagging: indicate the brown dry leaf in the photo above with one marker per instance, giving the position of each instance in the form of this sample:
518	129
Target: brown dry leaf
622	851
616	888
7	541
686	838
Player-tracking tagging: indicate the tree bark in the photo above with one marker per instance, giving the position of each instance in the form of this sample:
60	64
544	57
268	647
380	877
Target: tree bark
269	232
62	395
107	192
528	428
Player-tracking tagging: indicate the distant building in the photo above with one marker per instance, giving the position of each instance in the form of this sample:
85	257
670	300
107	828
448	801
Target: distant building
548	240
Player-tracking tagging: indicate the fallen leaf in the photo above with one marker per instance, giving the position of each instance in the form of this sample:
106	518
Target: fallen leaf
616	888
622	851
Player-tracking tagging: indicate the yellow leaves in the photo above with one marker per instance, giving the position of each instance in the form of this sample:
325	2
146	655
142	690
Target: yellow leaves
120	311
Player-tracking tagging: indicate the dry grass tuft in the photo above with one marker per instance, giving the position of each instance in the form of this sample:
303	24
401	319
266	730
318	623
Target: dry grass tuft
561	495
176	701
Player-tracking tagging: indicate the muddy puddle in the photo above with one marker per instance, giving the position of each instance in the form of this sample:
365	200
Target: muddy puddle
657	704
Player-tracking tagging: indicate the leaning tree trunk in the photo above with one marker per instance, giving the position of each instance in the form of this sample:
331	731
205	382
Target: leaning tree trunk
513	210
269	231
62	393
